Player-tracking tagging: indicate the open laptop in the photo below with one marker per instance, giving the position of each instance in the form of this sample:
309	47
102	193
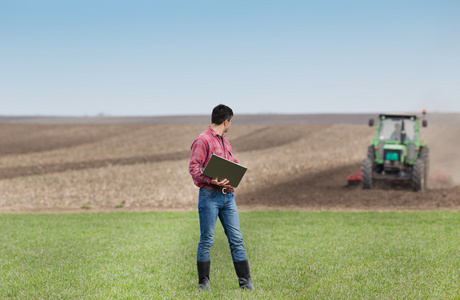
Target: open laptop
221	168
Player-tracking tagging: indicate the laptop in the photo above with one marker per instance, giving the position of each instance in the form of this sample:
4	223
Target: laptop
221	168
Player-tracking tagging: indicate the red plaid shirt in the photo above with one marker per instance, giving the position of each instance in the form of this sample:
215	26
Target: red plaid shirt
203	147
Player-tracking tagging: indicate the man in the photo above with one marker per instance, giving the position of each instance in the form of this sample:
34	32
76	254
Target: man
216	199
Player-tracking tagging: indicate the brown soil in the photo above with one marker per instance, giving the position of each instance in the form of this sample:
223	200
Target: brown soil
328	190
110	167
42	169
25	138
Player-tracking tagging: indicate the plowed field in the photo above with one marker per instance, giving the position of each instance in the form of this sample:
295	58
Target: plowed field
291	165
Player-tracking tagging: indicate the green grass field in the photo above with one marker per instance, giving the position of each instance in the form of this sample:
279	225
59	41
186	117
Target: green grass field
293	255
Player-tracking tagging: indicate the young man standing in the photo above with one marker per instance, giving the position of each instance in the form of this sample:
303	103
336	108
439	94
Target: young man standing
216	199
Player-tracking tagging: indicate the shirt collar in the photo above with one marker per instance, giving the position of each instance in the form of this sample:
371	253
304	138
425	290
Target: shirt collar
214	133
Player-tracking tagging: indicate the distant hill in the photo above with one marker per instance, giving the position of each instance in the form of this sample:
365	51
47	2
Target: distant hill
258	119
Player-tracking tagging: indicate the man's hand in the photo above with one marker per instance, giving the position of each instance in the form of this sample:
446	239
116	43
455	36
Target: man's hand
223	183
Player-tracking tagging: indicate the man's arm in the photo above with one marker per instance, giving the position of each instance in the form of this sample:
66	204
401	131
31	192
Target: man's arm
197	161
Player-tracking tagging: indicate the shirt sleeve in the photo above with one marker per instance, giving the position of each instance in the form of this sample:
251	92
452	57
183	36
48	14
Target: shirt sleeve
197	161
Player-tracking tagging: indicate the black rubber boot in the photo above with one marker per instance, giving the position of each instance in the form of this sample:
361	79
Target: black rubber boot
244	275
203	274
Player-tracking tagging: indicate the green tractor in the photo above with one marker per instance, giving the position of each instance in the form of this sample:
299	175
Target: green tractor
397	153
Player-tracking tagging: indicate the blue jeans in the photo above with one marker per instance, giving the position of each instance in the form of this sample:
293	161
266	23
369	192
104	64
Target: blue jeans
211	205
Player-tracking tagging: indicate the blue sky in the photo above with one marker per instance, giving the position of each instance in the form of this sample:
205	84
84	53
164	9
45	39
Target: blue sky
184	57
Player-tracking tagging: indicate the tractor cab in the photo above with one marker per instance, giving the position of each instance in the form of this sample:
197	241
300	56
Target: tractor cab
397	128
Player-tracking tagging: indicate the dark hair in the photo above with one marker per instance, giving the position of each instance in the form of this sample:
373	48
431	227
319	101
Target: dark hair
220	113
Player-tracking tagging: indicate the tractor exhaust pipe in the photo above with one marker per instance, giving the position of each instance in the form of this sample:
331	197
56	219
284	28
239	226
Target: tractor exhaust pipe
403	132
424	121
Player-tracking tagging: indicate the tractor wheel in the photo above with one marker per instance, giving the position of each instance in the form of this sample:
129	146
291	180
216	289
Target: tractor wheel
425	156
371	153
371	156
418	175
366	169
